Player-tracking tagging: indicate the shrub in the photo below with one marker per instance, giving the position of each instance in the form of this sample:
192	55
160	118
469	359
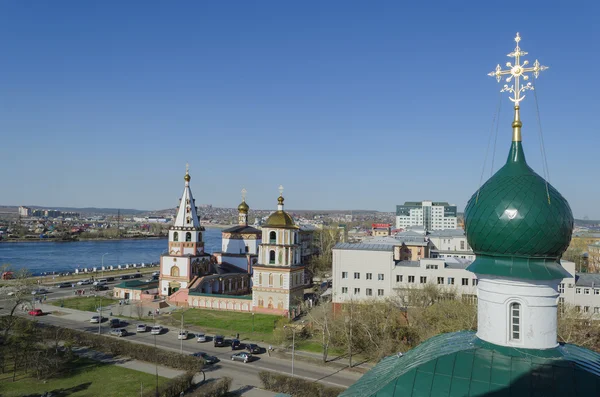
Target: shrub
174	387
218	388
296	387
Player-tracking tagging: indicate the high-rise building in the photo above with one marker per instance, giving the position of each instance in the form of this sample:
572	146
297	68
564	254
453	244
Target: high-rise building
432	215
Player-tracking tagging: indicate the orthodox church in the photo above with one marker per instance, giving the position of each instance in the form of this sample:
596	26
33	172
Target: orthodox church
270	259
518	226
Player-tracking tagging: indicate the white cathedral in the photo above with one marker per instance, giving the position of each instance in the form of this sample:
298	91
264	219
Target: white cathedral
255	271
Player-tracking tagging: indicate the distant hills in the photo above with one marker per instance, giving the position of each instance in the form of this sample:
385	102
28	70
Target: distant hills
85	210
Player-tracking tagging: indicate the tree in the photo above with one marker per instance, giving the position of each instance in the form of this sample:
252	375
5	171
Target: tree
323	242
321	321
17	294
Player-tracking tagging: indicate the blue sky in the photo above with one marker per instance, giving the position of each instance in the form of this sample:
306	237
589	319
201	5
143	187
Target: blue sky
349	105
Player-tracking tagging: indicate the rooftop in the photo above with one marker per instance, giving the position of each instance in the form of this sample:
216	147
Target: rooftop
242	229
364	247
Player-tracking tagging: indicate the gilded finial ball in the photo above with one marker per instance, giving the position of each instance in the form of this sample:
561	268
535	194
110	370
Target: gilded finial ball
187	177
243	207
280	200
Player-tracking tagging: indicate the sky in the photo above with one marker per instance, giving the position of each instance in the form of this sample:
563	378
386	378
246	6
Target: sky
348	105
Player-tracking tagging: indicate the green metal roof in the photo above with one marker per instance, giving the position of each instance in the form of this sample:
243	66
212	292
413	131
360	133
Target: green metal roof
518	224
460	364
137	284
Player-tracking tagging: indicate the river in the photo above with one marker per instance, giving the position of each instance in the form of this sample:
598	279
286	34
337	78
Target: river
41	257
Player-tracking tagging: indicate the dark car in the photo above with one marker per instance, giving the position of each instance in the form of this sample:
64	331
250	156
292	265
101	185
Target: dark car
64	285
99	288
236	344
253	348
125	277
219	341
137	275
110	279
208	359
115	323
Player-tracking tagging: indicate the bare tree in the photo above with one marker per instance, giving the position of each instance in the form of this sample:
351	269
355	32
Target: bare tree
17	294
321	321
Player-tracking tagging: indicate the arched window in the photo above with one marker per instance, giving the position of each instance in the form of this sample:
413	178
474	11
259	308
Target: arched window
295	238
174	271
272	237
188	236
270	279
259	278
271	257
175	236
281	280
261	302
515	322
199	236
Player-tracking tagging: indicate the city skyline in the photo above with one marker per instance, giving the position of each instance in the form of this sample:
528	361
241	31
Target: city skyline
348	106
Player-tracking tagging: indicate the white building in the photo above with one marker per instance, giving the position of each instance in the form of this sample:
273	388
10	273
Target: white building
451	243
431	215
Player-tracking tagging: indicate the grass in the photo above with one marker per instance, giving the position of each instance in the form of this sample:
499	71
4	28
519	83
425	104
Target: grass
230	323
87	303
87	378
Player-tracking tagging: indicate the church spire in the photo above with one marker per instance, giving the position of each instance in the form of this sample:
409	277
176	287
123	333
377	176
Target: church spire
516	72
187	214
243	209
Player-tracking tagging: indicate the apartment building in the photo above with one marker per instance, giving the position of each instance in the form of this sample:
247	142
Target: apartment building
451	243
431	215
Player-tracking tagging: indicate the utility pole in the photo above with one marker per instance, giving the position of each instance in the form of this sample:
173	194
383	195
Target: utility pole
118	223
155	357
180	337
100	319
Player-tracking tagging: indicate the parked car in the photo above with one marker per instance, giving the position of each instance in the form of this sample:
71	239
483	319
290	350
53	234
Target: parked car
108	279
118	332
137	275
115	323
99	287
219	341
236	344
242	356
97	319
155	274
208	359
141	328
36	312
100	282
64	285
183	334
39	291
156	330
125	277
201	337
253	348
84	282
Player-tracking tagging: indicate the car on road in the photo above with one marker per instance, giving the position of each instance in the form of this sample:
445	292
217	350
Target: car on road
141	328
137	275
39	291
84	282
125	277
236	344
156	330
64	285
97	319
219	341
100	282
115	323
36	312
208	359
253	348
118	332
201	337
108	279
99	287
242	356
183	334
155	274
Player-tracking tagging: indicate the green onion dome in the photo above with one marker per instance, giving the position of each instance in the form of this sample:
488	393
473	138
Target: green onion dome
518	224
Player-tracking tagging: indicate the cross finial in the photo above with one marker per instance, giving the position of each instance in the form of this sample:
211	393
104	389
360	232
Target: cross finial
281	190
187	168
517	71
244	191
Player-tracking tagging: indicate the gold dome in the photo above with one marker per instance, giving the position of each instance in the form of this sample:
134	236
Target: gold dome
187	177
243	207
281	219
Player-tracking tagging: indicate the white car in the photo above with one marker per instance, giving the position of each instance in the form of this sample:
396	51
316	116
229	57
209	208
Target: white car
156	330
84	282
141	328
96	319
201	337
182	335
39	291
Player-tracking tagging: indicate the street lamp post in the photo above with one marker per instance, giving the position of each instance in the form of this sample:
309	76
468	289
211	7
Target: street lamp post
252	322
293	344
180	337
103	264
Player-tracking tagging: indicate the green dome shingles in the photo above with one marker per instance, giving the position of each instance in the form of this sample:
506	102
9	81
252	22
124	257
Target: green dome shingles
460	364
529	245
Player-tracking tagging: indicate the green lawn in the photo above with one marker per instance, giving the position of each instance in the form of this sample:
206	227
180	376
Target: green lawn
229	323
88	303
87	378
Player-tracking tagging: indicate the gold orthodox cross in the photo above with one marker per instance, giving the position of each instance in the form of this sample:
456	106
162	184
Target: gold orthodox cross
244	191
281	190
517	71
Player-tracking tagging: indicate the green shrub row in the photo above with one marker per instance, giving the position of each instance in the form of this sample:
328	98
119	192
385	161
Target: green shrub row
218	388
119	347
174	387
296	387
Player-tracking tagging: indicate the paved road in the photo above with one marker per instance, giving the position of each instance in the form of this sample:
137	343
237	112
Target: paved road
244	375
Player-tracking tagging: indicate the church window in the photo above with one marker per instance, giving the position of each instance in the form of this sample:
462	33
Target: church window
280	304
259	278
295	238
175	236
174	271
281	280
247	249
515	322
271	257
188	236
261	302
270	279
272	238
